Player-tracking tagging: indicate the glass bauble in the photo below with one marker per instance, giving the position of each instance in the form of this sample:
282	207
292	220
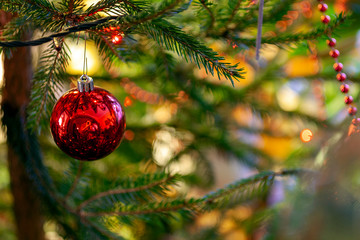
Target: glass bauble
88	125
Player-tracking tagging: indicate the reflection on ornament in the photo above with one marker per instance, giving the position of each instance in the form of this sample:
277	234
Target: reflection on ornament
306	135
87	125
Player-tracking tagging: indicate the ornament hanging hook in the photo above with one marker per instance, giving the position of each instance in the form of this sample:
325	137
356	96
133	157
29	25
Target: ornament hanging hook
85	83
85	69
259	28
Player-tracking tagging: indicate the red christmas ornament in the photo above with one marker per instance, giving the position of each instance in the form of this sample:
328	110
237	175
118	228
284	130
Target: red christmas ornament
87	123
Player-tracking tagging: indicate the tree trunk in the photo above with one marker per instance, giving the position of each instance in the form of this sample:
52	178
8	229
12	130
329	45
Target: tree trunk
18	74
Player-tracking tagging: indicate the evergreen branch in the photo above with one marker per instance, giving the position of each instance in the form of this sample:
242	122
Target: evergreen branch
101	230
29	5
77	177
44	5
241	185
184	7
47	89
150	185
235	7
151	208
112	49
243	190
291	38
204	3
172	38
71	6
146	15
101	6
36	42
47	79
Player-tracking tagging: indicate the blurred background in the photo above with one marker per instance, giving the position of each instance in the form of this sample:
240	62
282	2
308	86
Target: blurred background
286	113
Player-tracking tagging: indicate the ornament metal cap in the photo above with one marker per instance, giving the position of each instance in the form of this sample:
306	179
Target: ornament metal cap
85	83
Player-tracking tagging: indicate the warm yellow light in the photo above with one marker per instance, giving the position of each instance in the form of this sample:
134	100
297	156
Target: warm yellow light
88	3
77	58
288	99
306	135
185	165
302	66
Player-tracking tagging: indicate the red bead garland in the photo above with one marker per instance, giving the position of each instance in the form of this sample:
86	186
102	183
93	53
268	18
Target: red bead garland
325	19
344	88
331	42
322	7
348	99
352	110
338	66
334	53
341	77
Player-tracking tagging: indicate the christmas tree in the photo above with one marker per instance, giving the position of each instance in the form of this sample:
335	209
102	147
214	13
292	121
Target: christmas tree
211	148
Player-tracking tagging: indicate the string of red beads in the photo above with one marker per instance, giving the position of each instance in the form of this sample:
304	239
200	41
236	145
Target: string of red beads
338	66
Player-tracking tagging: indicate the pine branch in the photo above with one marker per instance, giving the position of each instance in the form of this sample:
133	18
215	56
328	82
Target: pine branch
47	80
76	180
165	181
103	6
78	28
234	5
242	190
172	38
151	208
44	5
297	37
205	5
236	193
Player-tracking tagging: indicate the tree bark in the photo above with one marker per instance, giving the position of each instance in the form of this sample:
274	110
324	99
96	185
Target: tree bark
27	206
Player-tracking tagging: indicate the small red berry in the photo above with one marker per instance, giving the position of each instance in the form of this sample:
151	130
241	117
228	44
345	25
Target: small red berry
341	77
325	19
331	42
338	66
334	53
348	99
322	7
356	121
344	88
352	110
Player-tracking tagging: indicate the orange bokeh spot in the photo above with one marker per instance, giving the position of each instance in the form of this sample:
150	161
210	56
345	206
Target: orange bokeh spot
128	102
129	135
306	135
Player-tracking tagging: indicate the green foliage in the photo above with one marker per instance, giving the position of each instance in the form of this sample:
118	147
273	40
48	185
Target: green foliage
47	81
89	203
